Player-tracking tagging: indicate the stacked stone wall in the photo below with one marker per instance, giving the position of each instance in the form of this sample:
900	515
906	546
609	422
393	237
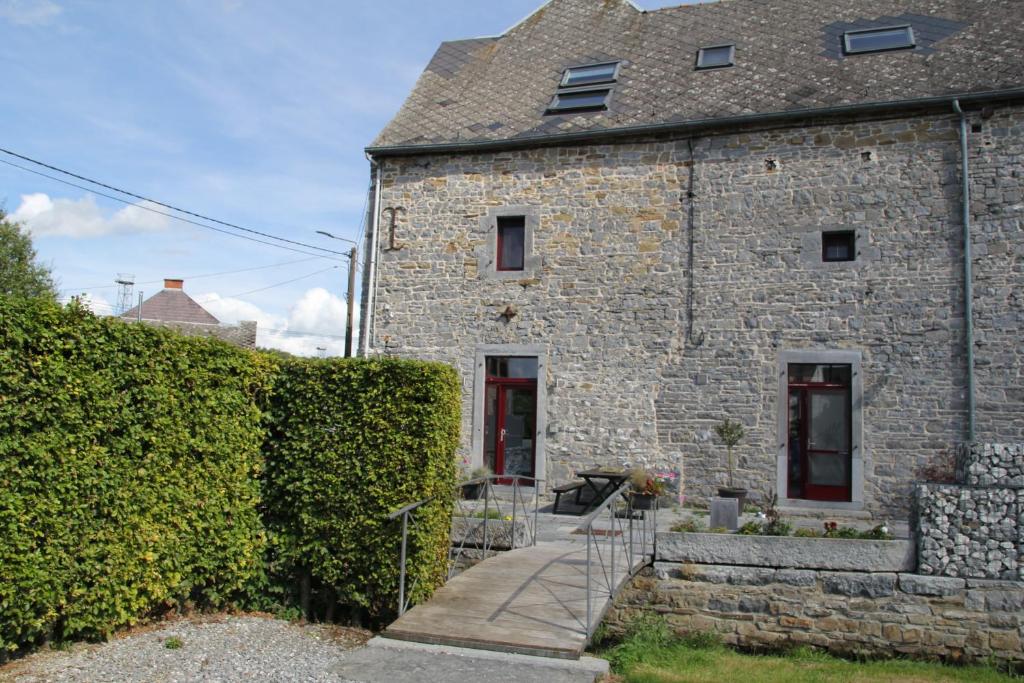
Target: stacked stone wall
975	528
878	614
631	379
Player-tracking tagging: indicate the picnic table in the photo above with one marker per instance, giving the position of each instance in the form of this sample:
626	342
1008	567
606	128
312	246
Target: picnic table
602	483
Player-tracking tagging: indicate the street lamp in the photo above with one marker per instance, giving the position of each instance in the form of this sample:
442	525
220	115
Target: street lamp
351	289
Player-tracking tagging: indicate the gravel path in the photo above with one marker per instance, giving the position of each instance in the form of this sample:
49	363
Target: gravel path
219	648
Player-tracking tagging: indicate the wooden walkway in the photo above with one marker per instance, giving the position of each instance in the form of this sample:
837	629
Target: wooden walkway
529	601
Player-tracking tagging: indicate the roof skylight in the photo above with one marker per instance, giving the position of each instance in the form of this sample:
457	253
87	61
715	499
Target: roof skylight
716	56
878	40
588	75
585	88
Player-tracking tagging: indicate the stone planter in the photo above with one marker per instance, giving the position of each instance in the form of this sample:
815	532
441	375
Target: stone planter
838	554
500	533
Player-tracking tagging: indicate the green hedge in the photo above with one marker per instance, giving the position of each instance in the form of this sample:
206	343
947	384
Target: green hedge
350	441
132	460
129	471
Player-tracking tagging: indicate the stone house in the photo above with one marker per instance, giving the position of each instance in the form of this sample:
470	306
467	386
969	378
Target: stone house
623	226
171	307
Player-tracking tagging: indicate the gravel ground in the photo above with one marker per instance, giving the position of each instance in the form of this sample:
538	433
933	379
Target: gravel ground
218	648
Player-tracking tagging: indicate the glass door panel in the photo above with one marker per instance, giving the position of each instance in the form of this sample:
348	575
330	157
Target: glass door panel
796	451
520	411
828	444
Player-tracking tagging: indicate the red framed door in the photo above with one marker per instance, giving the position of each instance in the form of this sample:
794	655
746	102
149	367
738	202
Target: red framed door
820	460
509	433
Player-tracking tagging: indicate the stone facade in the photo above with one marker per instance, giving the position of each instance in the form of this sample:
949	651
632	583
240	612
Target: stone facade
647	349
845	612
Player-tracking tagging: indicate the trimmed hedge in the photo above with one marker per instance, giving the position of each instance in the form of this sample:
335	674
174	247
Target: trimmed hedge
350	441
129	463
132	460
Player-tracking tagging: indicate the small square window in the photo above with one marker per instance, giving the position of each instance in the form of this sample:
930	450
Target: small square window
589	75
838	246
715	57
511	242
878	40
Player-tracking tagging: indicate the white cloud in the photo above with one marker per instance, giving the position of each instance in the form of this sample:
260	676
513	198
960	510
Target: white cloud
44	216
316	321
93	302
29	12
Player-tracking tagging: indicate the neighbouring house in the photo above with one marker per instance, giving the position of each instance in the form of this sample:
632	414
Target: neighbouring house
172	307
623	226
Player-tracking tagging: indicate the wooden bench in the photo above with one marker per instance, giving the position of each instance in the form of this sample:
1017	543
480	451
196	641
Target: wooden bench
559	491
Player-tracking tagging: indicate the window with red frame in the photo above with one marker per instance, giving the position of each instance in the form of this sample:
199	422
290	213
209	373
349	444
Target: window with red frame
511	242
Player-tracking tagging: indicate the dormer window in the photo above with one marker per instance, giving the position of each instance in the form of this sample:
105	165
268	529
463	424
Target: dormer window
878	40
585	88
716	56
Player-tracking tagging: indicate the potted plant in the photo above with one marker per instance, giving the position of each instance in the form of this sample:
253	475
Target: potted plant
731	433
473	489
646	489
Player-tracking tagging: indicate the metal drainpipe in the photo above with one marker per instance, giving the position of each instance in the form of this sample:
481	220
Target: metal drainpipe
366	340
968	276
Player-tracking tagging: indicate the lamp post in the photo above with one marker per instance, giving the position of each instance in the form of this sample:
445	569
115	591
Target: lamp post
351	289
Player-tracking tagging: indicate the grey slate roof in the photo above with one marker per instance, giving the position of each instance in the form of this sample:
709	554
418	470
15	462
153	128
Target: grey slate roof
172	305
788	57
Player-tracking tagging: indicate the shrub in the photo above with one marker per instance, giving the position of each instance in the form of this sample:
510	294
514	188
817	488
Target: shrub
693	526
129	462
351	441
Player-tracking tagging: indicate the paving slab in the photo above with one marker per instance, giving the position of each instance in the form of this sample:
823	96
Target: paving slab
392	661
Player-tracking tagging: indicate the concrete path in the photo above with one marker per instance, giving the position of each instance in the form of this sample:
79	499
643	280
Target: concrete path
529	601
393	661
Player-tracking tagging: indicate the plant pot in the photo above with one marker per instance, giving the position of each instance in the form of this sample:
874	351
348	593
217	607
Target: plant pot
644	501
472	491
733	492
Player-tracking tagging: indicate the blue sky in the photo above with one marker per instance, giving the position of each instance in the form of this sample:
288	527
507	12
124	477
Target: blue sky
255	112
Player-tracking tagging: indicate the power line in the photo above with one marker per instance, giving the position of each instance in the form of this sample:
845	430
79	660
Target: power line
162	213
279	284
164	205
199	277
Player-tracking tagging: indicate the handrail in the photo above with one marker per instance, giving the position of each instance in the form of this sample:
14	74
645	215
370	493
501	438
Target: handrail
410	507
619	506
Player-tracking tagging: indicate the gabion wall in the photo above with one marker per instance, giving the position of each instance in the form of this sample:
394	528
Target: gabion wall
975	529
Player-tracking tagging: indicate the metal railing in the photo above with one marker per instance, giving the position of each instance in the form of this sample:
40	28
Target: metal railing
631	533
515	515
512	501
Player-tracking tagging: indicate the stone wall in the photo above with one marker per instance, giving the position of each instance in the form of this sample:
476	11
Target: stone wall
632	379
991	465
845	612
976	527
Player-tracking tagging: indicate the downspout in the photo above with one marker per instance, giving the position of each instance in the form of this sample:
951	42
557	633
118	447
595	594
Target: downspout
691	195
968	276
365	339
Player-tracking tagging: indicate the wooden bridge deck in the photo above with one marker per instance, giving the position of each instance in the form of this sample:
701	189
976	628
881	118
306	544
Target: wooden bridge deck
529	601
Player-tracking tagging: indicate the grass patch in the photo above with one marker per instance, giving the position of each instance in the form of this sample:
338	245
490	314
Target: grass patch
651	653
173	643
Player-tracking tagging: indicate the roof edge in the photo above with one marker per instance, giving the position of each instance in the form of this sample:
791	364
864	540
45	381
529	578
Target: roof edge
694	125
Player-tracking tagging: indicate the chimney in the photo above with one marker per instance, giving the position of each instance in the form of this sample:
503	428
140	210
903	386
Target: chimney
170	283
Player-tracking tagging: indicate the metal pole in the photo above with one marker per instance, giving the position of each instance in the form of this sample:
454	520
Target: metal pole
590	529
487	509
139	311
611	539
515	489
351	301
536	504
401	575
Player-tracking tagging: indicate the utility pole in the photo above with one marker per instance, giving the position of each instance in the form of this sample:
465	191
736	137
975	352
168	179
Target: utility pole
351	301
351	291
